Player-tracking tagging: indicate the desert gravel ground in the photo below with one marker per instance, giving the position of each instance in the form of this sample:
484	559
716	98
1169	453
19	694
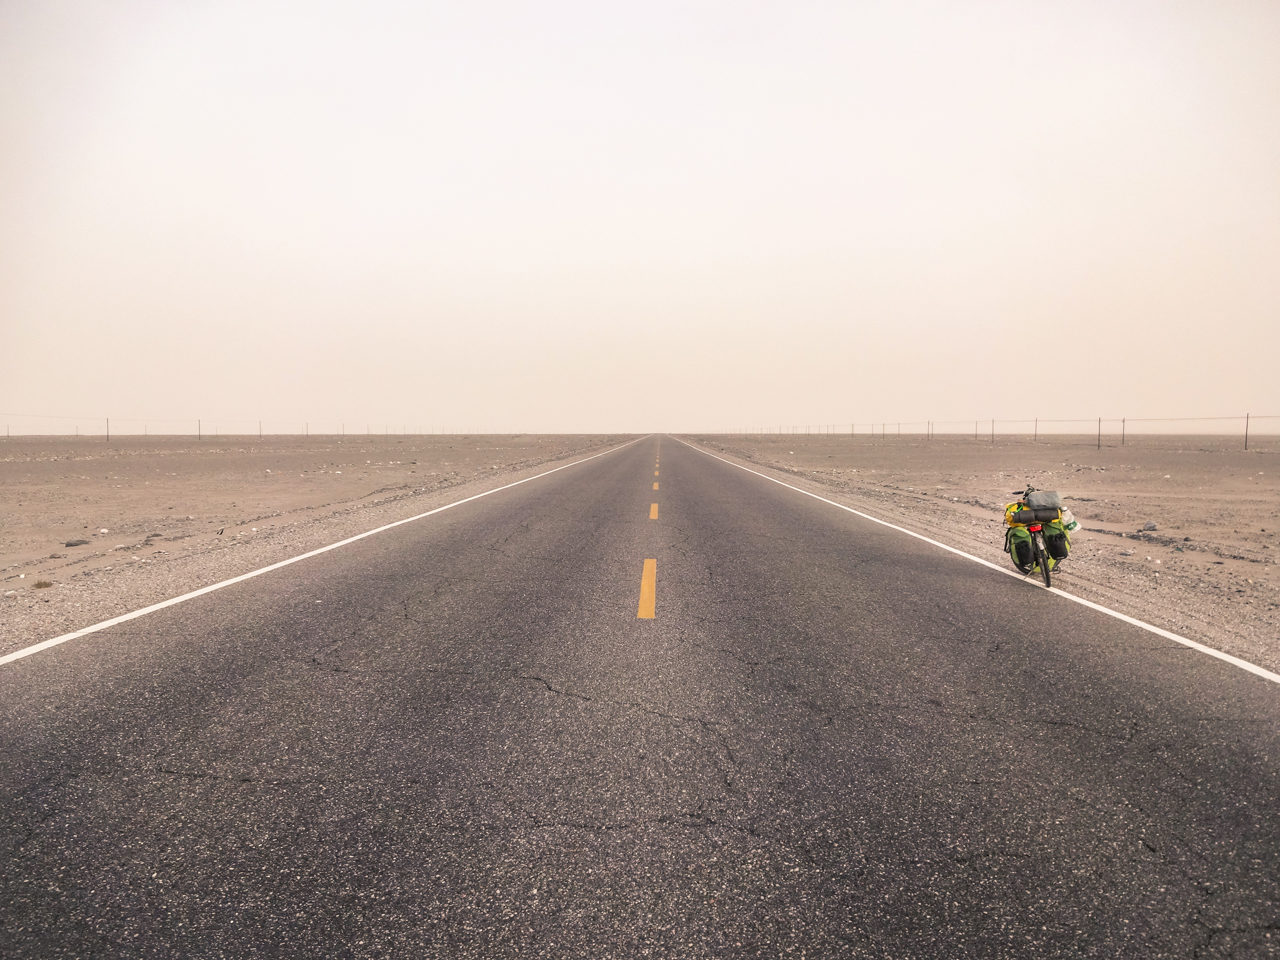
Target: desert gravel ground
1178	531
91	529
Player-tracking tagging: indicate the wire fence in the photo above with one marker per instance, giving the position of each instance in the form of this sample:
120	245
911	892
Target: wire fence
201	428
1100	430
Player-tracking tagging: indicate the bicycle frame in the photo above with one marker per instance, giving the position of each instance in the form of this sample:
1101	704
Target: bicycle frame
1039	551
1040	556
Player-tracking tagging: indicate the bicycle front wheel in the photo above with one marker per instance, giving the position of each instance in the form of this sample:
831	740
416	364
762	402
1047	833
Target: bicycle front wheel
1042	557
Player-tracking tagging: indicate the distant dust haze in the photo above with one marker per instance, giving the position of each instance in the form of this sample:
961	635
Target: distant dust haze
585	216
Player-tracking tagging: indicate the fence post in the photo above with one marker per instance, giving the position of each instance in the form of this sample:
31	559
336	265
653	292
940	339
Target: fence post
1246	431
108	429
1099	433
1035	437
199	430
1123	423
993	430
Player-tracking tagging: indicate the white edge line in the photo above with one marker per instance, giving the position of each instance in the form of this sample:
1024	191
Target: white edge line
125	617
1158	631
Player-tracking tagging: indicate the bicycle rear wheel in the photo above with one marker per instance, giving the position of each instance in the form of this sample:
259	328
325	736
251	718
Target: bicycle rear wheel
1042	556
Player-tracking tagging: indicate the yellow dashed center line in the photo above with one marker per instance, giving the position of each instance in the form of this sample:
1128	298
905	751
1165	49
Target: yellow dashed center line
648	590
649	576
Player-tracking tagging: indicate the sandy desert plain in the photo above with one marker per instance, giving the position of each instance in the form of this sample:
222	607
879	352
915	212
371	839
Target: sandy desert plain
161	516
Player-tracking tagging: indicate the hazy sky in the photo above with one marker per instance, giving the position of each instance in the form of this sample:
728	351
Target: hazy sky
563	216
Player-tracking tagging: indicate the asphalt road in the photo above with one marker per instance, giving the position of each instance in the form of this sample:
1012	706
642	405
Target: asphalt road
457	738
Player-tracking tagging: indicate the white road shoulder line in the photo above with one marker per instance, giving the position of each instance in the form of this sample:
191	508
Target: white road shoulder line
125	617
1234	661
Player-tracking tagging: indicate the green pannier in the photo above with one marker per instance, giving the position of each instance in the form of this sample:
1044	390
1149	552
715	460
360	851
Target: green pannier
1017	541
1056	540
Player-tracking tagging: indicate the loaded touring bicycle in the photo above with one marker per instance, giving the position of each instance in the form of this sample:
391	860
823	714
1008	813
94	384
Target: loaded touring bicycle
1038	534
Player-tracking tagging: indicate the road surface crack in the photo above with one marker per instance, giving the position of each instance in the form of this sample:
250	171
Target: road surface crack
1125	736
1212	932
203	775
714	728
556	690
